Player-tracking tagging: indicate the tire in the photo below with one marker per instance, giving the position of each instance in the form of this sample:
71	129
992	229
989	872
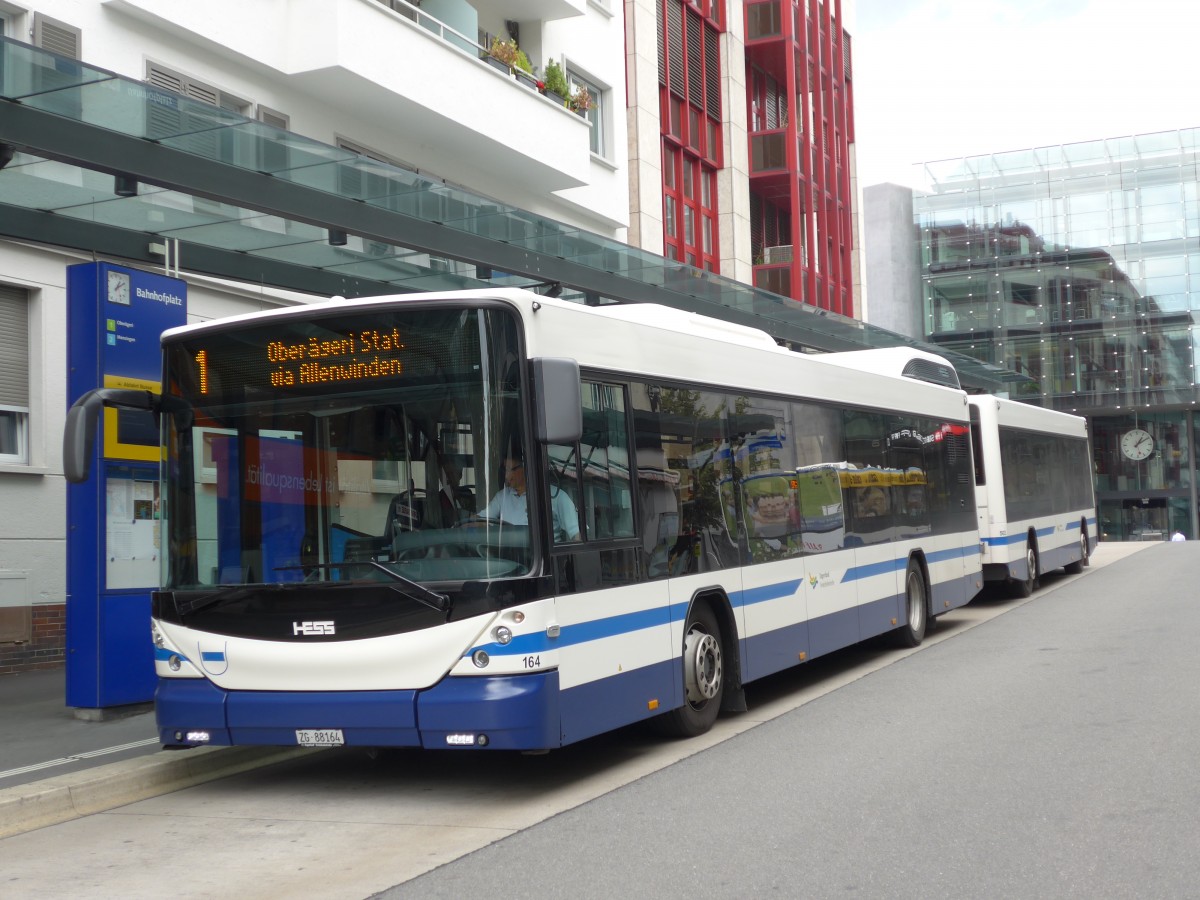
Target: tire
703	676
1077	567
1025	588
916	608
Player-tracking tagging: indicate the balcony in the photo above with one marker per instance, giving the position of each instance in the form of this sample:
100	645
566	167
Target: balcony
406	68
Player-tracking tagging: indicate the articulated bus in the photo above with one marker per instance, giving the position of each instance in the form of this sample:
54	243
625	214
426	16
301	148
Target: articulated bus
1033	477
492	519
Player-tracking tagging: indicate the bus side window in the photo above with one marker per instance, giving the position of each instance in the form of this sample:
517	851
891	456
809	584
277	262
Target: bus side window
604	458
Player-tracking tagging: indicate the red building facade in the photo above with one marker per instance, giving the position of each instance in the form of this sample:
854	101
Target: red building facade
799	124
800	109
689	85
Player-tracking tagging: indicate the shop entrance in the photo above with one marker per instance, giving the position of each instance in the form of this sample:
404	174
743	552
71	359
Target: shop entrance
1144	518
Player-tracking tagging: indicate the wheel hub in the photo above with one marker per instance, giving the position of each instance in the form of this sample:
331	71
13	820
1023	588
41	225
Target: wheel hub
703	667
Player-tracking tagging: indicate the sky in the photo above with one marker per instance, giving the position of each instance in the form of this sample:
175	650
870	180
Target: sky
938	79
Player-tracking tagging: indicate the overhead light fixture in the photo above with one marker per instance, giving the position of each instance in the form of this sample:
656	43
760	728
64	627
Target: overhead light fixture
337	238
125	186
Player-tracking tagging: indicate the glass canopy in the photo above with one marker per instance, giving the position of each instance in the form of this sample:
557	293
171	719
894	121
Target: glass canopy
90	157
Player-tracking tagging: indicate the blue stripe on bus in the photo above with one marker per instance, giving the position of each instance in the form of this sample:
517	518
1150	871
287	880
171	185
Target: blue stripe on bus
1019	538
767	592
595	630
870	570
612	626
162	654
1005	540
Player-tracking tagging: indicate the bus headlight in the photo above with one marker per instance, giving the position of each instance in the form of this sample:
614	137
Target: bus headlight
503	634
174	662
481	658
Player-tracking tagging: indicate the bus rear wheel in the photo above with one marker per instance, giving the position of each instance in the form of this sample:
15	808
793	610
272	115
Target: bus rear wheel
703	676
916	608
1076	567
1025	587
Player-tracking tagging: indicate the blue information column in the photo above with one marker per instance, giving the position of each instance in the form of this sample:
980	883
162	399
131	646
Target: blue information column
114	542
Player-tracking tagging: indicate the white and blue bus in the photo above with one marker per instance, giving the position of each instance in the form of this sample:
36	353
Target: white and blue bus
494	519
1033	477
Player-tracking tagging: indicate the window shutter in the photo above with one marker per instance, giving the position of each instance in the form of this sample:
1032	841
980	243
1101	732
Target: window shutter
14	347
272	118
202	92
660	43
56	37
695	60
160	77
675	46
712	72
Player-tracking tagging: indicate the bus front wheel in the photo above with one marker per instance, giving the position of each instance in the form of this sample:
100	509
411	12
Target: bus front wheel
916	608
703	676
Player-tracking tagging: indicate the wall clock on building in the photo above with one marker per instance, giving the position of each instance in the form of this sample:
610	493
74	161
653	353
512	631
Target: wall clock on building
118	288
1137	443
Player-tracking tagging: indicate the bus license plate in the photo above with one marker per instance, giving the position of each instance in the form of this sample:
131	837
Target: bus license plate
319	737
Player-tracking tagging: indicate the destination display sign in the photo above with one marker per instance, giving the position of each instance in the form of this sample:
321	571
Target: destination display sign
300	357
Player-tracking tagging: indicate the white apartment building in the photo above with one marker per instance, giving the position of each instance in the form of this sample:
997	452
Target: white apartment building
407	85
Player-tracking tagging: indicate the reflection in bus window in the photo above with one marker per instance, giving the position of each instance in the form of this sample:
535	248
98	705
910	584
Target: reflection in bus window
682	459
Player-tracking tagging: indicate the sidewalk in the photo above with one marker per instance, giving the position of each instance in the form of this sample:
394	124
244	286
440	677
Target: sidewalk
41	737
55	766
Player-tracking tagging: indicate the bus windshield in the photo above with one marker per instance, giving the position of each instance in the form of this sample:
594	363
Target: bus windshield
353	447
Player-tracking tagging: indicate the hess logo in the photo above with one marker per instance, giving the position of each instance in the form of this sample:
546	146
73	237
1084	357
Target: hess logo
311	629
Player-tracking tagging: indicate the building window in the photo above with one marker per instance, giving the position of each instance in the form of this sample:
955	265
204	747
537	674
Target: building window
9	20
193	131
377	185
14	376
595	115
273	155
689	208
690	101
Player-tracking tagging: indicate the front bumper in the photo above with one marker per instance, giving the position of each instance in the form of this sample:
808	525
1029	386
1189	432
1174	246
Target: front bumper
514	712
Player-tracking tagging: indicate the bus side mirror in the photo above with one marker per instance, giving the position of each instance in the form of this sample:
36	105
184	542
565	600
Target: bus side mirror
557	404
82	418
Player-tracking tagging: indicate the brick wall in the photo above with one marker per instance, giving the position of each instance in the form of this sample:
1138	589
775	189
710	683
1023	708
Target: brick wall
46	648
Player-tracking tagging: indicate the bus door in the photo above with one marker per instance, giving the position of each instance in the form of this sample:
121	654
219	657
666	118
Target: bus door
982	508
830	588
873	503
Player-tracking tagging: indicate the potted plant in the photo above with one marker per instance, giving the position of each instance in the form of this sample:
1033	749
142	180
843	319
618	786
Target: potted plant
555	80
524	71
581	101
503	54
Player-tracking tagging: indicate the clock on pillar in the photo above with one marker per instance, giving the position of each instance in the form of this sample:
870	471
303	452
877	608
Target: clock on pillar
1137	444
118	287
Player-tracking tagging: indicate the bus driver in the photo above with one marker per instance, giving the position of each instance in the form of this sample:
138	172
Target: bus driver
511	505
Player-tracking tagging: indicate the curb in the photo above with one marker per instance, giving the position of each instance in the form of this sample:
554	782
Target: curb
65	797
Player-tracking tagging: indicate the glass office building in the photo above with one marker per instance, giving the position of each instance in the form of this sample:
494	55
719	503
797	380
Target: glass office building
1078	266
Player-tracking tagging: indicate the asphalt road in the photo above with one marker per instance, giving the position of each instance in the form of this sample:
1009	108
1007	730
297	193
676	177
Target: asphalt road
1052	753
1042	747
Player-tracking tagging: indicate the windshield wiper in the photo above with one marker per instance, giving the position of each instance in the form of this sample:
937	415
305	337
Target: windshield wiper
186	605
412	589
